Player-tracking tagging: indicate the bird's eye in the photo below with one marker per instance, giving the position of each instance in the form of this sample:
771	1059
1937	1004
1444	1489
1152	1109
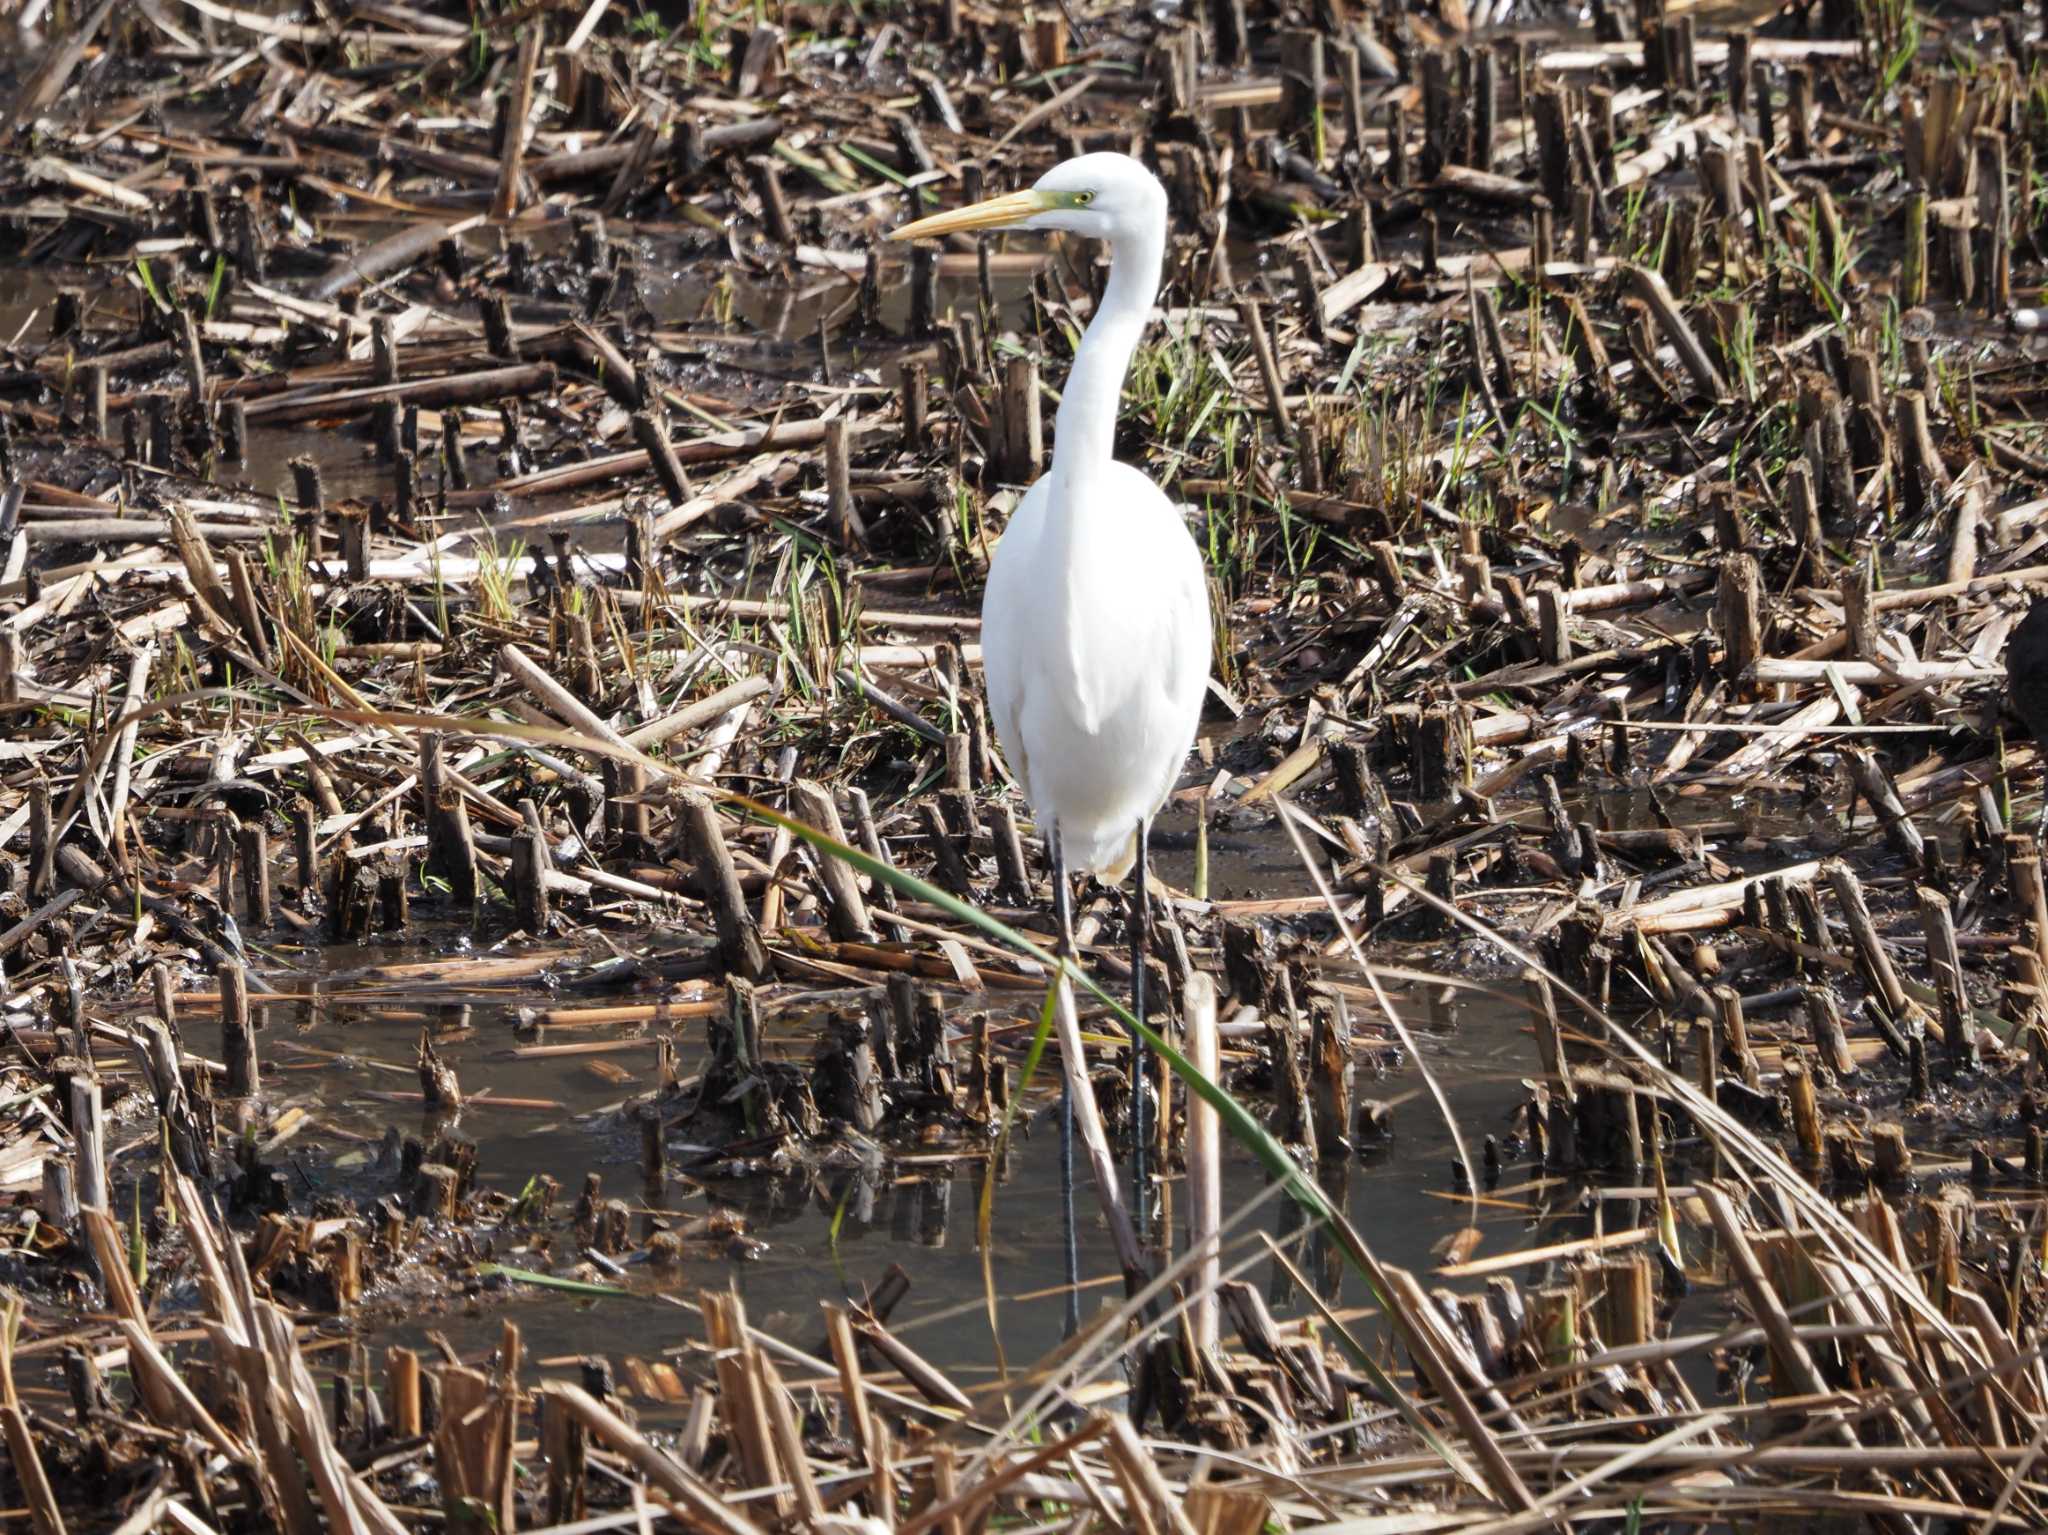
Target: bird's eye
1083	199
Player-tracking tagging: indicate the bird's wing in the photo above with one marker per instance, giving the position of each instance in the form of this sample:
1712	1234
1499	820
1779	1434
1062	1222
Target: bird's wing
1008	604
1189	651
1195	640
1145	662
1096	655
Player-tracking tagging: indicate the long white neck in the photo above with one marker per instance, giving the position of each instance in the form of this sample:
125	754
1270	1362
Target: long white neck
1085	428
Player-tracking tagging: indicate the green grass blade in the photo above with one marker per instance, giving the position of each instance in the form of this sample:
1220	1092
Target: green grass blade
548	1281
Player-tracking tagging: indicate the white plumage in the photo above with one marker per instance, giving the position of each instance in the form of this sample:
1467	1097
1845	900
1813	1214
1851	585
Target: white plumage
1095	644
1095	623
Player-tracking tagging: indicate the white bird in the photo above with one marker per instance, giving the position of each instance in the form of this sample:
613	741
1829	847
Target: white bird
1095	625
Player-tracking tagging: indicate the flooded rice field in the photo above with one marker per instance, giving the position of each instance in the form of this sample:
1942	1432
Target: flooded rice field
537	986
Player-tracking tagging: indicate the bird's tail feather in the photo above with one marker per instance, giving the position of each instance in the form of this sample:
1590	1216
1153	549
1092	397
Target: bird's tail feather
1110	861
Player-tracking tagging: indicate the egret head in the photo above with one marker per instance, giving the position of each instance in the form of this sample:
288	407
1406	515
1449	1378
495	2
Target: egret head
1103	196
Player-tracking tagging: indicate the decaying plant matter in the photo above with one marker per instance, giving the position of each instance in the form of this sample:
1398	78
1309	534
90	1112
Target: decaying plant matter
472	479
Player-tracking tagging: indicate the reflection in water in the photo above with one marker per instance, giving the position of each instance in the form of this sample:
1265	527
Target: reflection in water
1070	1229
1289	1223
834	1230
1326	1257
934	1203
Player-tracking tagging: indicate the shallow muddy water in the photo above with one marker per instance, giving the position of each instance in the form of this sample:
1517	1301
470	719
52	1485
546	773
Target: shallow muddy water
823	1235
835	1231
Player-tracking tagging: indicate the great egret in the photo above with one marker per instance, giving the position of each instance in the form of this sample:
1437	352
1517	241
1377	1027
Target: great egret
1095	621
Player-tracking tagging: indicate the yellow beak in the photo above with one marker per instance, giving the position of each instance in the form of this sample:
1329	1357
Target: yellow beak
995	213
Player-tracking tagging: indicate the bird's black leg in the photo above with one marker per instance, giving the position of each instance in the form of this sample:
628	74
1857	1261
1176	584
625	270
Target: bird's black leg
1141	912
1063	945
